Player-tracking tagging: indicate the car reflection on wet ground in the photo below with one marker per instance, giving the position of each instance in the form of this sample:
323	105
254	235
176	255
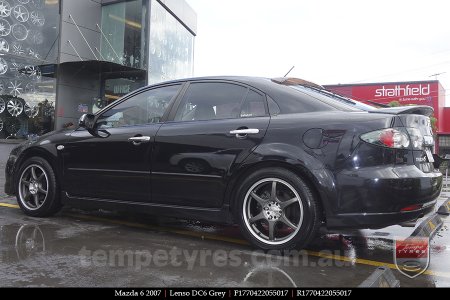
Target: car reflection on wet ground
99	248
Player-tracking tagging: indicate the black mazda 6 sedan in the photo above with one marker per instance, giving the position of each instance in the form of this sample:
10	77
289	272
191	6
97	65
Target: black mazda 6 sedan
278	157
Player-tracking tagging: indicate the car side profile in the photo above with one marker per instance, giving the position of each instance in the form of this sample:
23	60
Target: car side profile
279	157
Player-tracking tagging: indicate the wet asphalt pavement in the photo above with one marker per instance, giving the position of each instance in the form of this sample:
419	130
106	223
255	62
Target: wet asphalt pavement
108	249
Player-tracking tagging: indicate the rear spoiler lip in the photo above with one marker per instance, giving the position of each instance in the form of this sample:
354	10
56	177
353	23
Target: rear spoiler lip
406	110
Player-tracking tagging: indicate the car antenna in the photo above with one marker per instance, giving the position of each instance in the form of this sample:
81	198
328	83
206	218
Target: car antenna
289	71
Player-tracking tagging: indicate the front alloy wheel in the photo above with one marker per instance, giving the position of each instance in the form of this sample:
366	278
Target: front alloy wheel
37	190
33	187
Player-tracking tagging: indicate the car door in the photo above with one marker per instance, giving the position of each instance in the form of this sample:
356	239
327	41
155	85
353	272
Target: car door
216	125
116	164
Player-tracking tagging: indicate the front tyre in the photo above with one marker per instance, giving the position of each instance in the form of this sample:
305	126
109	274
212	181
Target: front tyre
37	190
277	210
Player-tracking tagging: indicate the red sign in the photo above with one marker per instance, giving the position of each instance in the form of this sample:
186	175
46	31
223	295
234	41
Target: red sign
419	93
429	93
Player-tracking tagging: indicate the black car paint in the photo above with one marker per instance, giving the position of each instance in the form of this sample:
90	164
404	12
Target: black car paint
321	146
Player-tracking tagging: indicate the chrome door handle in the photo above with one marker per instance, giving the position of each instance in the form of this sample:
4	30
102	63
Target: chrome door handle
139	139
242	133
245	131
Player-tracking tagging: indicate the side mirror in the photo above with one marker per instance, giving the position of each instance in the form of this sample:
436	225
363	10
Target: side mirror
87	121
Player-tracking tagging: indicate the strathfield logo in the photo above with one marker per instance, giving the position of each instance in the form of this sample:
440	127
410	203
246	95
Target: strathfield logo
404	91
412	256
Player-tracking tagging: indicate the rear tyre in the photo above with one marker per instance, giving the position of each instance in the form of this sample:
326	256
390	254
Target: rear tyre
37	190
277	210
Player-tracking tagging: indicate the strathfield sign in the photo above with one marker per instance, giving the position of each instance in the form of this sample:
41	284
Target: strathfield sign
422	93
403	91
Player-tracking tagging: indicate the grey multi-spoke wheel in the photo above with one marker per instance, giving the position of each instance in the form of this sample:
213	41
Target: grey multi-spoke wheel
277	210
33	187
273	211
37	192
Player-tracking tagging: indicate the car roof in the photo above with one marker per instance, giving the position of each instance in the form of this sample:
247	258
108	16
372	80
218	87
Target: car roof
266	85
254	81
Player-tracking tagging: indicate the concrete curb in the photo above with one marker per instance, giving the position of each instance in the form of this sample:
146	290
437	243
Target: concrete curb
428	227
445	208
382	277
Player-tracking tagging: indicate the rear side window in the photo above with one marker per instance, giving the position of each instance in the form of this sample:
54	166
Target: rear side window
253	106
217	100
293	99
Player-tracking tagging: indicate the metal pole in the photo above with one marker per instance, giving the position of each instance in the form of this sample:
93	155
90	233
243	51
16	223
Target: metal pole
74	50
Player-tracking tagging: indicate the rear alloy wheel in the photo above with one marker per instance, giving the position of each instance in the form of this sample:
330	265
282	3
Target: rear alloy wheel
277	210
36	188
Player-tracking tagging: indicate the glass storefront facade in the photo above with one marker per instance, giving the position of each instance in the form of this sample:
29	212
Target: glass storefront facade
125	33
62	58
29	31
171	51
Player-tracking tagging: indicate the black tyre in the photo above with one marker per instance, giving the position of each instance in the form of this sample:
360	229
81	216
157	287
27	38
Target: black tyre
277	210
37	189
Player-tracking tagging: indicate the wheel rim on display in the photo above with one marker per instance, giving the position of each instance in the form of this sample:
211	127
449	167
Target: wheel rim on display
3	66
2	105
5	27
20	13
15	88
33	187
15	107
37	18
4	45
31	110
19	32
273	211
5	9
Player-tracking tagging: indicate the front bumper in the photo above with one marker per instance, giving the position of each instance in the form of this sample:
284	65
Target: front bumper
9	175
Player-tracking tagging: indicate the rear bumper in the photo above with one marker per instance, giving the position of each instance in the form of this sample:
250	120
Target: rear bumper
378	197
378	220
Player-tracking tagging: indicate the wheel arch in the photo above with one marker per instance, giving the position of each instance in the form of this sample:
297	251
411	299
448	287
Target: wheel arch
300	171
36	152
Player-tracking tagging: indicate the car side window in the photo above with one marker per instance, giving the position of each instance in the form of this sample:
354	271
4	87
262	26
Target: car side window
144	108
211	100
253	106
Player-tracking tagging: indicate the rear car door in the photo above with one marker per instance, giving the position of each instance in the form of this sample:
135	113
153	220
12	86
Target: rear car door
214	127
117	166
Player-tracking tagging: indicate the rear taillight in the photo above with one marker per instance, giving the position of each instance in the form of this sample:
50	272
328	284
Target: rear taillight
418	140
390	137
411	208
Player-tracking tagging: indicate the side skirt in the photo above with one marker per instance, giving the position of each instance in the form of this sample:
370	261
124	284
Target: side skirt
214	215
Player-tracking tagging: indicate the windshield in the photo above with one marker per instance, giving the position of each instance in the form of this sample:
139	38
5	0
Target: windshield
336	97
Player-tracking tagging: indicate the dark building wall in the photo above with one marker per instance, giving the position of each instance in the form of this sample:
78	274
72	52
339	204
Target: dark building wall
77	84
87	14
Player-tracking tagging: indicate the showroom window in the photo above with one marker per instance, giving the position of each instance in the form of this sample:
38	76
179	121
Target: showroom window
171	47
29	39
124	26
